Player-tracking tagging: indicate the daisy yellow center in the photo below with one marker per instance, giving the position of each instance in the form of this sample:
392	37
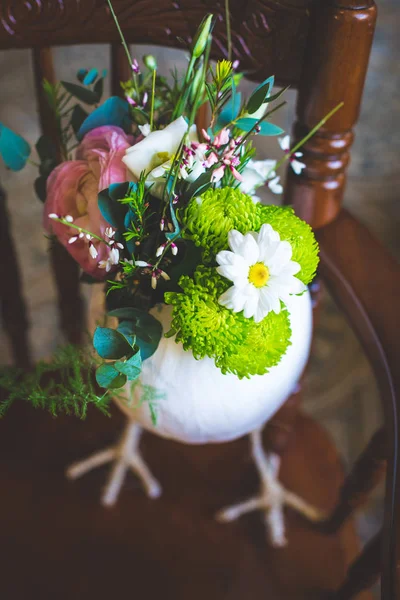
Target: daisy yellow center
258	275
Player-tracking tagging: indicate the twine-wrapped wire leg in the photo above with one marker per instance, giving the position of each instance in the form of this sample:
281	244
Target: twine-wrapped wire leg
272	497
125	455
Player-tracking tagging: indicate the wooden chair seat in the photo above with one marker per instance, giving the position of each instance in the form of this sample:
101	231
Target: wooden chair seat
59	542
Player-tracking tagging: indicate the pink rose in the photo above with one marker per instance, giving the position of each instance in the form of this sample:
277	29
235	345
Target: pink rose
72	189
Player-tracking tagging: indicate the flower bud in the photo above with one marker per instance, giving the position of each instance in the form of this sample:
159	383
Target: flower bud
201	37
150	62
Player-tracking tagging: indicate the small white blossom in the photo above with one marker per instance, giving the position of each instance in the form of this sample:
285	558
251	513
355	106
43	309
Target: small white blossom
262	272
296	165
72	239
92	251
142	263
160	250
110	232
274	185
174	249
53	216
69	218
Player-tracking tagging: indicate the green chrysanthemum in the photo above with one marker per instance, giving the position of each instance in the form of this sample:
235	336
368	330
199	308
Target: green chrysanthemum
214	214
297	232
237	344
263	347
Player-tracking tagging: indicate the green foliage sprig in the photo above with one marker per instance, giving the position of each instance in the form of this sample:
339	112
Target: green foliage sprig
65	385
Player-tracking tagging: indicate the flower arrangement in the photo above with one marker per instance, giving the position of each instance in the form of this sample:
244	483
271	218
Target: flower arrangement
161	212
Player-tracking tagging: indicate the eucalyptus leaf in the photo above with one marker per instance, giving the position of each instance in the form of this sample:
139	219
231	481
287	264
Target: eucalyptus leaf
107	376
112	210
14	149
80	92
114	111
98	88
131	367
230	111
266	128
260	94
147	328
90	77
78	115
40	186
199	186
81	74
45	148
126	328
109	343
173	235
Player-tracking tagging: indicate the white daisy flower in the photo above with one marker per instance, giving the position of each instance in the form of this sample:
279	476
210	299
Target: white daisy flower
261	270
296	165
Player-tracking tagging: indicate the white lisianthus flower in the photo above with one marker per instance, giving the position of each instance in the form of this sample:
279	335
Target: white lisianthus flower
155	153
262	272
255	175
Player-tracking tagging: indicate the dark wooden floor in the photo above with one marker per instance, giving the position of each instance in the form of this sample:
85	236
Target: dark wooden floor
57	542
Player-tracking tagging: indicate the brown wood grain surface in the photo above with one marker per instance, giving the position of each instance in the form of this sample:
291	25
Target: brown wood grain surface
57	541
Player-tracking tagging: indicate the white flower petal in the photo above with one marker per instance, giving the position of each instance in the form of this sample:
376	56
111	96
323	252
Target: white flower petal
140	157
249	249
284	142
297	166
235	240
251	304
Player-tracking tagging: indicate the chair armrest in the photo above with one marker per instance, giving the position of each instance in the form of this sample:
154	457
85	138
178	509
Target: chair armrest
364	280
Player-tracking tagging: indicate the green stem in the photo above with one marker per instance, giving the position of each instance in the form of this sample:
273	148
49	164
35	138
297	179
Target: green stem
305	139
228	29
80	229
121	35
153	93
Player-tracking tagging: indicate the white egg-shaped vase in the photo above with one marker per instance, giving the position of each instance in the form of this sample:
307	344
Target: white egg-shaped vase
196	404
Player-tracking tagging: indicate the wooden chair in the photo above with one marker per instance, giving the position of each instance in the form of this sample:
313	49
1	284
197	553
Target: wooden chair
70	547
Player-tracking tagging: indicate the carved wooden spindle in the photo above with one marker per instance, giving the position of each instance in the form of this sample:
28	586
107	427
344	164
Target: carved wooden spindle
363	573
365	475
335	66
12	305
65	270
120	69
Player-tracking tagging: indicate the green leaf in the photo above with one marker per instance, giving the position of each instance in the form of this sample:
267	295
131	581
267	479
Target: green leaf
114	111
81	74
14	149
131	368
126	328
45	148
266	128
107	376
199	186
109	343
98	88
147	328
78	115
40	186
260	94
81	93
173	235
90	77
111	210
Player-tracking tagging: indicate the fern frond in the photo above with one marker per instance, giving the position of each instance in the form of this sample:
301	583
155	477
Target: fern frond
65	385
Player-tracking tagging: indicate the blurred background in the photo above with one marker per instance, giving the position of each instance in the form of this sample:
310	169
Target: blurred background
340	390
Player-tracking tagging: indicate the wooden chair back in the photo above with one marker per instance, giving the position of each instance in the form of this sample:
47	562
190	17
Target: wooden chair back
319	47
